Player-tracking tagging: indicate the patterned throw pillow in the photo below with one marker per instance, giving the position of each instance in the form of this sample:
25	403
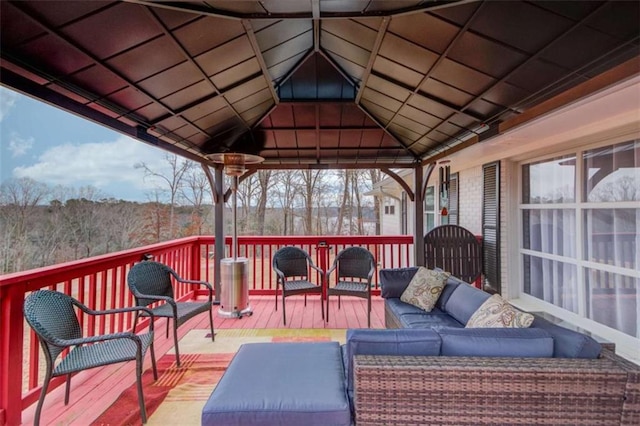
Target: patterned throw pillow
496	312
424	288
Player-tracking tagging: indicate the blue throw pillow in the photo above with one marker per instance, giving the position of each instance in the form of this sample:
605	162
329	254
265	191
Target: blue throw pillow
393	281
496	342
464	301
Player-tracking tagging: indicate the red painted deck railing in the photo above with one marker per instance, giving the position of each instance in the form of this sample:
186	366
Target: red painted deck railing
100	283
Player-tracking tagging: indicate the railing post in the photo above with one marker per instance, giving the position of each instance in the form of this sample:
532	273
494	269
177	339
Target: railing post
196	264
323	263
12	342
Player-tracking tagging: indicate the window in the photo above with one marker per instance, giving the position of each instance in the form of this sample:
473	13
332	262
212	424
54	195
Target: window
429	209
390	209
580	216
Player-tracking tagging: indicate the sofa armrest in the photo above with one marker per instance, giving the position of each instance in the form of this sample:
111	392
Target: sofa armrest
460	390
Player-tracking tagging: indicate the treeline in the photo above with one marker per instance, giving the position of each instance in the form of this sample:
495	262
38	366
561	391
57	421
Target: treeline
42	225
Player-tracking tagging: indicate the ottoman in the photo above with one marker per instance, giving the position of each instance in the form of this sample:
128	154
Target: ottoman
281	384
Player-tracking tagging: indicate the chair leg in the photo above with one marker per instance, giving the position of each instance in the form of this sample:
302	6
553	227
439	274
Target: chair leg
213	336
153	361
305	300
175	340
143	410
167	332
284	312
339	297
327	317
67	389
277	287
43	393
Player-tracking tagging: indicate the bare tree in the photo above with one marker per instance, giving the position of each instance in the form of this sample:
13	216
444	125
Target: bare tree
170	183
195	190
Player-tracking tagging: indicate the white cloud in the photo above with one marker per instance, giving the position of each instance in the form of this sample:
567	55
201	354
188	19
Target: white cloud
19	146
105	165
7	101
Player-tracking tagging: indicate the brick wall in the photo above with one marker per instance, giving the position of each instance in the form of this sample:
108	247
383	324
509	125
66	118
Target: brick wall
470	199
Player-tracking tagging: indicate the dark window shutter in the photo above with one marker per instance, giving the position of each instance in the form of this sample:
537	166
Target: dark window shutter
491	226
453	199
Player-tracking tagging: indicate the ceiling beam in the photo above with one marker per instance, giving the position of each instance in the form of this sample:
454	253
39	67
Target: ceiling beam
263	66
382	30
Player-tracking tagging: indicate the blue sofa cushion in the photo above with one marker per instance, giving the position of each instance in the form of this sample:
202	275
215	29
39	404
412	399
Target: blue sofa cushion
393	281
415	342
399	308
302	385
464	301
496	342
568	343
449	287
429	321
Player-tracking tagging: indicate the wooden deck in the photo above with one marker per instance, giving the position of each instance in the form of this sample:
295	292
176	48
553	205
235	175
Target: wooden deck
94	391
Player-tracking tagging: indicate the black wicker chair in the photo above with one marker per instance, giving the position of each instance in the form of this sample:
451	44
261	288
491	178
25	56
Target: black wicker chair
150	282
292	266
454	249
354	268
52	317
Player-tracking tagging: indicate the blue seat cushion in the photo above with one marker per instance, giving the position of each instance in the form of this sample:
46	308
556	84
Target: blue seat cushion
413	342
394	281
281	384
464	301
568	343
496	342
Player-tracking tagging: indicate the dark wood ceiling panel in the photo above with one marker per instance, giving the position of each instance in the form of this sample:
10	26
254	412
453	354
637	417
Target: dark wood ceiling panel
147	59
520	25
14	30
388	88
340	47
379	99
505	94
330	138
351	31
427	77
128	26
462	77
186	96
235	74
225	56
172	80
304	115
246	89
130	98
485	55
281	70
253	100
97	81
439	90
432	107
207	33
204	108
566	54
290	48
353	70
424	30
408	54
397	71
281	32
57	56
420	116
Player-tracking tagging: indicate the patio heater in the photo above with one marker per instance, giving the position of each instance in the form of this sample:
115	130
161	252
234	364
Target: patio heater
234	290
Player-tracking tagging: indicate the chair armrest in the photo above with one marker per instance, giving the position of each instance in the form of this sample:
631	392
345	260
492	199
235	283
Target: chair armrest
322	273
97	339
90	311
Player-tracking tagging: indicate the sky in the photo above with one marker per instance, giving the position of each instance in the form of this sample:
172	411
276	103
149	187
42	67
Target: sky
55	147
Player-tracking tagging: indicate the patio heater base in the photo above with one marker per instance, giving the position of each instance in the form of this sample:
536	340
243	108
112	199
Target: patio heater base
234	291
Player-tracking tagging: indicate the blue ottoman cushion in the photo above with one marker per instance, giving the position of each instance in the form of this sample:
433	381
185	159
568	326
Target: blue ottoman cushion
281	384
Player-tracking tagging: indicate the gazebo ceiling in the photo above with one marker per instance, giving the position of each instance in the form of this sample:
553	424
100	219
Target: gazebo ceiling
320	83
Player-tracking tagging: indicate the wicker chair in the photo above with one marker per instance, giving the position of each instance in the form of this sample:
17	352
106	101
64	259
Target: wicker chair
454	249
292	266
354	268
150	282
52	317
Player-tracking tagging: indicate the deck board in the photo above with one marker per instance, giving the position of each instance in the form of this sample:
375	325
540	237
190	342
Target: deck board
95	390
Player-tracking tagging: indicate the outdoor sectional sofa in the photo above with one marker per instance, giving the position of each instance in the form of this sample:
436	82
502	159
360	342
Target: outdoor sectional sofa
427	368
